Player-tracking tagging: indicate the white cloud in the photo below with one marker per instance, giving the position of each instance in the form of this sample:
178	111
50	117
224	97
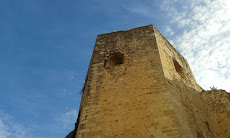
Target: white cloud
4	130
68	119
169	30
205	43
9	128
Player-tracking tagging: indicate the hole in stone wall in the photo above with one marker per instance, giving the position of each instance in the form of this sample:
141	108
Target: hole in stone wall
114	59
179	69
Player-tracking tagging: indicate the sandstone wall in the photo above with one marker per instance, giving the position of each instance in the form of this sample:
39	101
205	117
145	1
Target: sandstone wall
130	99
183	89
199	114
138	85
190	110
218	104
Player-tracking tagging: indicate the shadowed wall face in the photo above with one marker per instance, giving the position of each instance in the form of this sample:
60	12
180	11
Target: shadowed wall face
193	107
179	69
174	64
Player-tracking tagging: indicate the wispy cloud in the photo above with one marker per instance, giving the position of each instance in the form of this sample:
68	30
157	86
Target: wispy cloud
205	41
68	119
9	128
140	9
169	30
70	75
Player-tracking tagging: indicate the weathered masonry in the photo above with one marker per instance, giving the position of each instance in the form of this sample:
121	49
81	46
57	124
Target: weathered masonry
138	85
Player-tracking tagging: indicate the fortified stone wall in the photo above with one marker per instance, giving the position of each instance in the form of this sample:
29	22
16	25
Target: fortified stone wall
138	85
130	98
217	103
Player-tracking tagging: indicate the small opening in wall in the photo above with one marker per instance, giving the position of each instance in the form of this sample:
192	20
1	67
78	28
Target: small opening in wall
114	59
179	69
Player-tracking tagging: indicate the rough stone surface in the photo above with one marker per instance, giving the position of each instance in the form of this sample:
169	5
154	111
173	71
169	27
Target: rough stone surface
138	85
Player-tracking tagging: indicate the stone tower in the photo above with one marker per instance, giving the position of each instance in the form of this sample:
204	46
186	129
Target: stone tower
138	85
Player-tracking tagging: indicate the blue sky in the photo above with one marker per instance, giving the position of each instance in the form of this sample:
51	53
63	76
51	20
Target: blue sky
46	45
